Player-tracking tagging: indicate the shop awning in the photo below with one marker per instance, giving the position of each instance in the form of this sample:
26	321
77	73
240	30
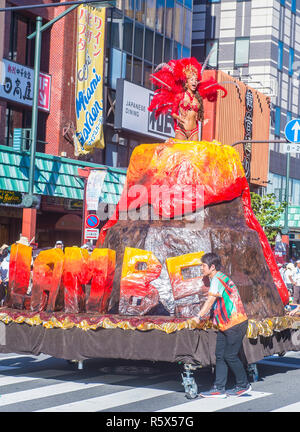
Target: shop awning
54	175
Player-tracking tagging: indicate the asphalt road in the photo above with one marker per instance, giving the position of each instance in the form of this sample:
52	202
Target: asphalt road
47	384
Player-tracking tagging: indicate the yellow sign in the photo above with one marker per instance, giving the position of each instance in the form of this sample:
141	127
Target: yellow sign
89	82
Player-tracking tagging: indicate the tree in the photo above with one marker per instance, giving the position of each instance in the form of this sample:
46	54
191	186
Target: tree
267	212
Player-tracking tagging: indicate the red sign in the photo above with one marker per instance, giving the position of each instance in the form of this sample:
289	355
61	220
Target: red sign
44	92
92	221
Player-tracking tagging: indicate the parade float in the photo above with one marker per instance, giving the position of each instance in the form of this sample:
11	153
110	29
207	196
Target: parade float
135	295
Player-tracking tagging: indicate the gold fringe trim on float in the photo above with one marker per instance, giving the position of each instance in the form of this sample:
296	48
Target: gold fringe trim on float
106	322
256	328
268	326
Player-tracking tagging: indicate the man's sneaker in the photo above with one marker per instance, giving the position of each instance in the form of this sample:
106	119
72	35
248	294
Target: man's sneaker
238	390
214	393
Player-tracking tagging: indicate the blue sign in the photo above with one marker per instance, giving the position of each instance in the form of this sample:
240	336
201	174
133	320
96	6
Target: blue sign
292	131
92	221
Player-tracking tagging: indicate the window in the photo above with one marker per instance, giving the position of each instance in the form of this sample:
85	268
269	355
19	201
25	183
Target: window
296	192
277	121
140	9
280	55
176	51
147	72
138	40
137	71
160	9
117	67
129	8
168	50
212	49
127	32
169	18
21	50
187	36
291	61
128	67
150	16
188	3
178	27
186	52
116	34
158	49
241	57
148	45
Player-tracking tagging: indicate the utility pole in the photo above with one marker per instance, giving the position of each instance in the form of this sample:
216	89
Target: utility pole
30	200
285	229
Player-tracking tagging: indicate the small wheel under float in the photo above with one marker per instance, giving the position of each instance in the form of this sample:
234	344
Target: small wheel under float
188	382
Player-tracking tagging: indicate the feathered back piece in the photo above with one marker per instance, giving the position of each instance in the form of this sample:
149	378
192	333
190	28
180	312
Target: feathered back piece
170	79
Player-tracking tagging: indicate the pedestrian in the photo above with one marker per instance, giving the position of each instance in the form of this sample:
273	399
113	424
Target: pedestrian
23	240
296	278
225	303
2	249
59	245
4	272
88	246
289	278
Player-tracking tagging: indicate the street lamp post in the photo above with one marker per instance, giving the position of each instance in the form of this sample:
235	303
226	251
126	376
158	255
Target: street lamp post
285	229
30	200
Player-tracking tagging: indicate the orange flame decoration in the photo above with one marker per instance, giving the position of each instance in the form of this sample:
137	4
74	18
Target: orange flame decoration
181	287
137	296
74	277
102	264
19	275
47	273
55	272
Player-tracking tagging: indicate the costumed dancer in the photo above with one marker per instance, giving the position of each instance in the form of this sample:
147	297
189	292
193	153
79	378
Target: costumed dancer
180	92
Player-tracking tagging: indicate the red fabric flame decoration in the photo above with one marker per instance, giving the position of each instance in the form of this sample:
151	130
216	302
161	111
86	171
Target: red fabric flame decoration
217	168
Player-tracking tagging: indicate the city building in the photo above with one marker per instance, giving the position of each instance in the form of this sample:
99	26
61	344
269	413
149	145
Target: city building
139	35
258	42
57	182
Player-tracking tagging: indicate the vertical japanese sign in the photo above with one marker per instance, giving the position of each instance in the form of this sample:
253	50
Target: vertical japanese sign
89	82
94	189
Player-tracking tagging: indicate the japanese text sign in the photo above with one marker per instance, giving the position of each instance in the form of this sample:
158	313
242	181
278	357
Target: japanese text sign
17	85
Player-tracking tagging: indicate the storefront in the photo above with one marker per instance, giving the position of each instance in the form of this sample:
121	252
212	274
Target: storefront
60	190
10	216
294	230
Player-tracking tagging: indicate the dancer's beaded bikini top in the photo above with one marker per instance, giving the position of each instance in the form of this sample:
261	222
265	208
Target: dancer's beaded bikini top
190	106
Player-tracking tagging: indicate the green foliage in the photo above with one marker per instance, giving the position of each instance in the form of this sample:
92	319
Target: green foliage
267	212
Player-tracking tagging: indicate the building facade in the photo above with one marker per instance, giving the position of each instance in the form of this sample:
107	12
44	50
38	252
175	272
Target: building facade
140	34
57	183
257	41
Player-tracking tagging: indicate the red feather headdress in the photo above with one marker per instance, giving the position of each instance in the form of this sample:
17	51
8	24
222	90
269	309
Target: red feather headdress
170	78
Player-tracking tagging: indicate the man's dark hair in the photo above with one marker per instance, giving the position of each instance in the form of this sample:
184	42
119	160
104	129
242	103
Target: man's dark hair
212	259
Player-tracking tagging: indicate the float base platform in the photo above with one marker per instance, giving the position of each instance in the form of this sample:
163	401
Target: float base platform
169	339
